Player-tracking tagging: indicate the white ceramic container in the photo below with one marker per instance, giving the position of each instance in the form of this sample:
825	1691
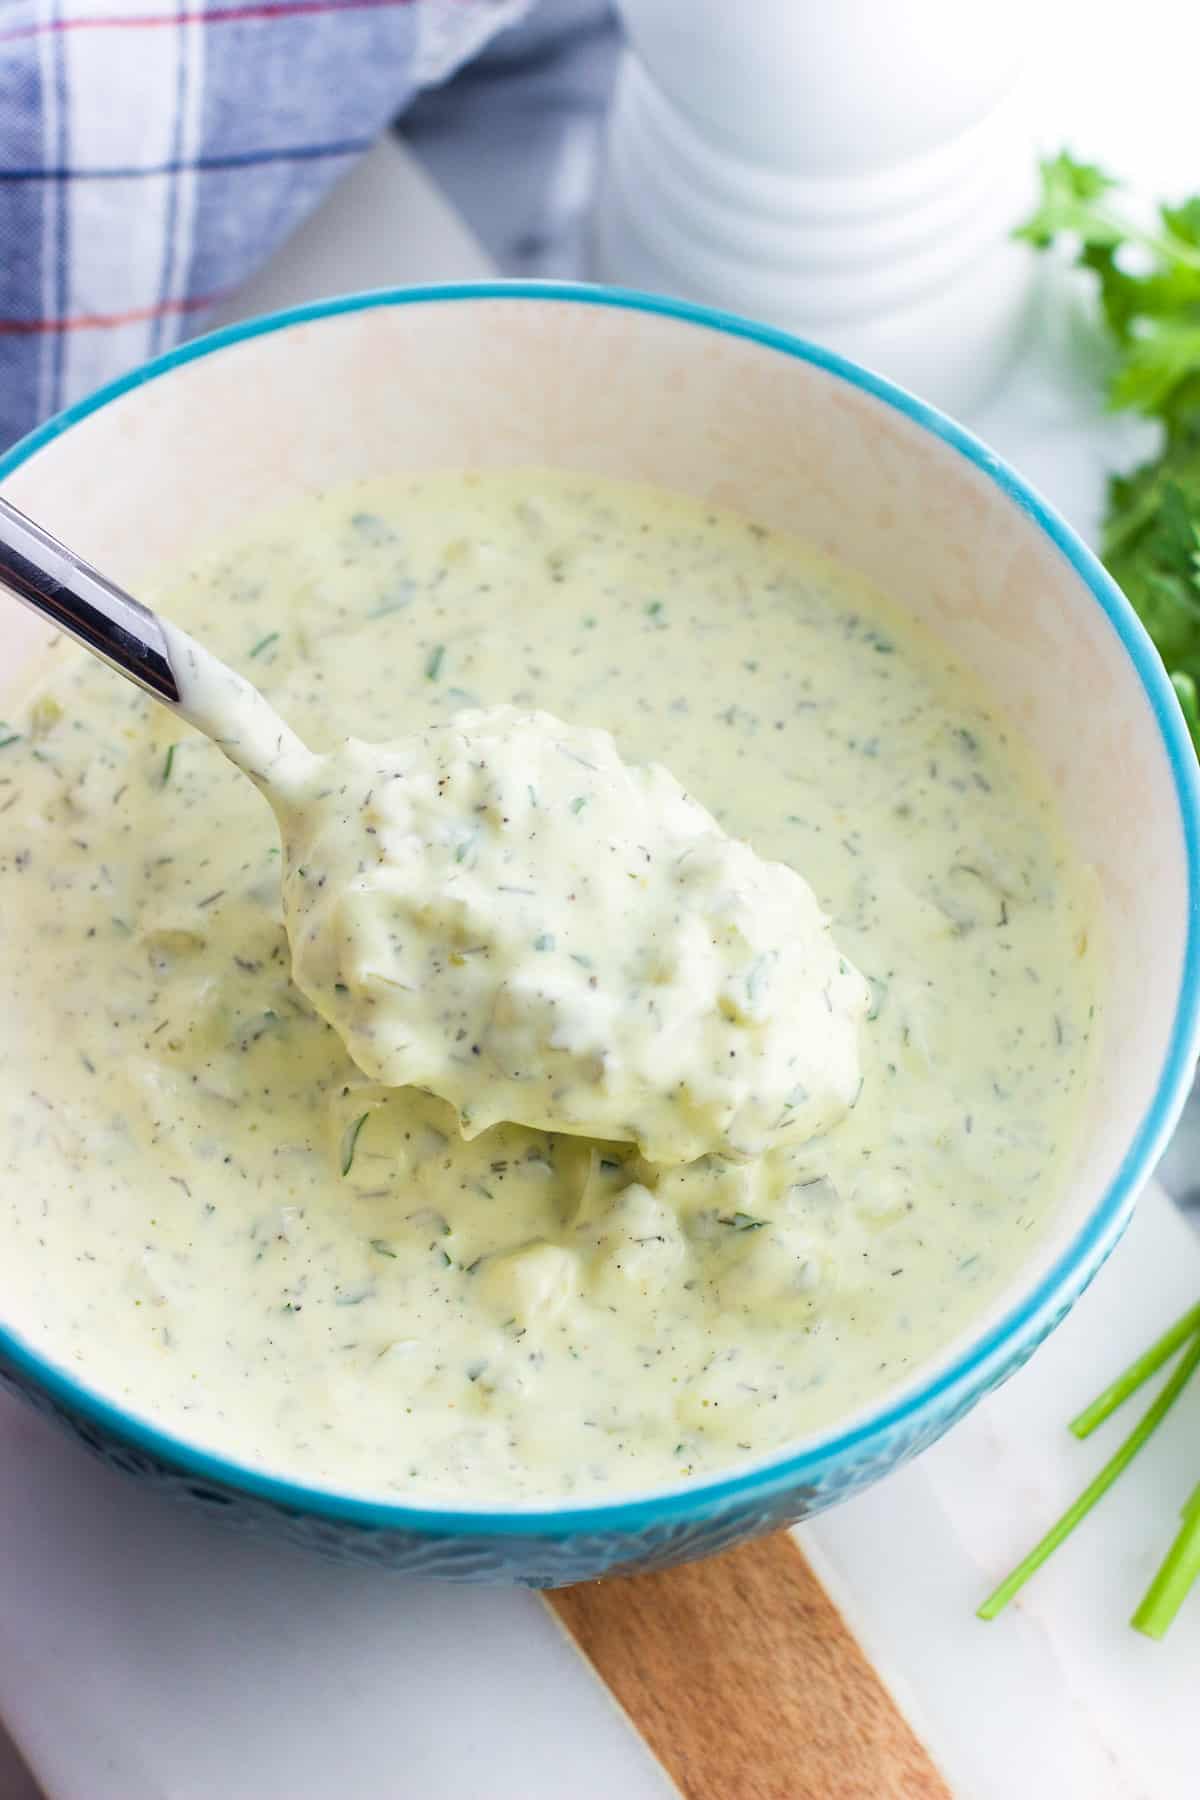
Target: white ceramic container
851	172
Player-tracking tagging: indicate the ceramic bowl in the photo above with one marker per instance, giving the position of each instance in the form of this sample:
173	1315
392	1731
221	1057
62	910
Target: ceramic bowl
156	467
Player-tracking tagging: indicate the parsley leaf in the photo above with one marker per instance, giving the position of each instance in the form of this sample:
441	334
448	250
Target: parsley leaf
1148	283
1071	193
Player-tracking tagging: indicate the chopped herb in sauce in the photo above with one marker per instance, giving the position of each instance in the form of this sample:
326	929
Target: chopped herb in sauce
350	1142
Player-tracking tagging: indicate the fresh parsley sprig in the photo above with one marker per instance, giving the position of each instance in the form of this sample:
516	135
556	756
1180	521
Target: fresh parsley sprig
1148	282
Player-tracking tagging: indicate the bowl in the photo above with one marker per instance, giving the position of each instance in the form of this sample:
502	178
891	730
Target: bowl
155	467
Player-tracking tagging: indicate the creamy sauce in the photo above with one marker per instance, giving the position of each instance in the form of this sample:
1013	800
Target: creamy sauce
219	1219
503	912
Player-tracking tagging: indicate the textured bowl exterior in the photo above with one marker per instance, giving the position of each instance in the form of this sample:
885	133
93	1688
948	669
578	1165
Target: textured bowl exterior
753	418
541	1558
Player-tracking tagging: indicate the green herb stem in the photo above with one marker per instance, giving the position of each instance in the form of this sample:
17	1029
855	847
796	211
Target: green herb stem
1118	1391
1177	1575
1097	1488
350	1143
1123	230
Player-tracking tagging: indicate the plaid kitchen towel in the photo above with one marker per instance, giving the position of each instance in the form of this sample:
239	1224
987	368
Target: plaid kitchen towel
153	152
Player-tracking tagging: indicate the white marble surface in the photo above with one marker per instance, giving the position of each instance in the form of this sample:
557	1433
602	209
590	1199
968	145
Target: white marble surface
147	1652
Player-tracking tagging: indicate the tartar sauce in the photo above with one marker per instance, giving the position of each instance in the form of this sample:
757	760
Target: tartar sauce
501	911
214	1216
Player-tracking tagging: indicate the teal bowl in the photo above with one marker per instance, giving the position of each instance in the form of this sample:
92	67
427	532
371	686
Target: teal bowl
153	468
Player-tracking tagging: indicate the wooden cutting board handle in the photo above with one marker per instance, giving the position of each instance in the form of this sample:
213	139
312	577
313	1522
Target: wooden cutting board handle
744	1680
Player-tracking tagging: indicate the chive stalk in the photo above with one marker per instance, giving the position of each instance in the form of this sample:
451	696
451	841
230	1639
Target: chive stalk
1146	1365
1179	1571
1100	1484
350	1143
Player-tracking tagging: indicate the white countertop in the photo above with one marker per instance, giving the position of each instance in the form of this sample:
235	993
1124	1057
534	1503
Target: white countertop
144	1652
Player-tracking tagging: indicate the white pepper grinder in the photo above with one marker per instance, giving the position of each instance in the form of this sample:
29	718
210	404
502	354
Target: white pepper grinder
848	169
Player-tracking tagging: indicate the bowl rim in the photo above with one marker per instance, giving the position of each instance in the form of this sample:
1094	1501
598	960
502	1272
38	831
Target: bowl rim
780	1470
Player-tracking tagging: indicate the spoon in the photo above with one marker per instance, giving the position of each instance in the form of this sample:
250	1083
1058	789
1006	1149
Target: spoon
158	656
502	911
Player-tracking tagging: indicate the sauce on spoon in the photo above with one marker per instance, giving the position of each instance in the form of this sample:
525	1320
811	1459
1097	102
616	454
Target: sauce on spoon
502	912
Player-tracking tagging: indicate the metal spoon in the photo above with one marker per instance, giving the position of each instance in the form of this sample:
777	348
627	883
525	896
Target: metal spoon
65	589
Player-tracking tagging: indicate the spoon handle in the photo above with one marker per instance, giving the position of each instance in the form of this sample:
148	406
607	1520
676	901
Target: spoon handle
166	662
53	581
